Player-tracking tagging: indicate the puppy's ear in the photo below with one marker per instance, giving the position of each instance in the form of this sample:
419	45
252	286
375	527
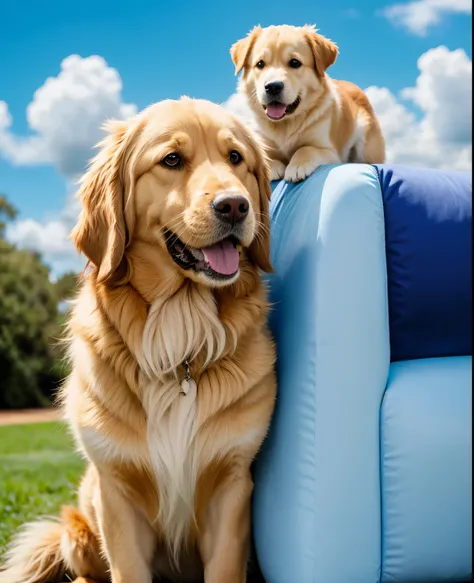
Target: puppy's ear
259	250
324	50
101	232
240	50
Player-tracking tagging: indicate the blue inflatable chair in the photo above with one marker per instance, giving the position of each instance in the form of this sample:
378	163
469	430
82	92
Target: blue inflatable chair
366	474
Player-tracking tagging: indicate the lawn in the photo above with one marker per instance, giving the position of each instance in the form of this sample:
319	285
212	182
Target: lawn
39	471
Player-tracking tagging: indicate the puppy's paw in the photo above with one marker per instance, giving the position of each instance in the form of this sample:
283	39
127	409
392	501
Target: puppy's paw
297	172
278	170
306	160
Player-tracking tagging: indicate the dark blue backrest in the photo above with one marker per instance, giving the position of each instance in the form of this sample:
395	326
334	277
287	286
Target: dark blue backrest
428	220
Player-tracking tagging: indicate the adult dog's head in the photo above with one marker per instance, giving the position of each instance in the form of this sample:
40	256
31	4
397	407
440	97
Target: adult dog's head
283	68
183	188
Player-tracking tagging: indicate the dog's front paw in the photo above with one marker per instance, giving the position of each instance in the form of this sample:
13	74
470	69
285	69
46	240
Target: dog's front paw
297	172
278	170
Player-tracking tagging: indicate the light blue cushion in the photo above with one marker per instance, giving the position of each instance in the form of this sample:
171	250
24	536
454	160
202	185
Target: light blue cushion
317	482
426	426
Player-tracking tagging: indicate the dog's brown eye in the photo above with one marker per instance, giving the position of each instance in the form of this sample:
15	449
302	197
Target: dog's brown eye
260	65
294	64
172	160
235	157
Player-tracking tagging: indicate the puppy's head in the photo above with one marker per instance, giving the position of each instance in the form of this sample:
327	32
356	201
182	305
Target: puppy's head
185	182
283	68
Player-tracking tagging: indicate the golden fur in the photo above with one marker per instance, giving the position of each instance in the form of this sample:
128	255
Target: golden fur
168	485
333	121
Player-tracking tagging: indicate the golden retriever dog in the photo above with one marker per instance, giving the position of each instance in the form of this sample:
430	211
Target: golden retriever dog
306	118
173	384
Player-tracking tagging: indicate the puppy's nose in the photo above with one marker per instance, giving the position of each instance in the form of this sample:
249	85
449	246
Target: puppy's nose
274	88
231	208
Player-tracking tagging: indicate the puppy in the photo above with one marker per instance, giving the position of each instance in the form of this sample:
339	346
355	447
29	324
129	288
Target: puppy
306	118
172	384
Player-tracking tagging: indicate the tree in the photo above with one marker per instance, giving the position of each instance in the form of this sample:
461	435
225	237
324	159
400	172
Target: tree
8	211
31	364
66	286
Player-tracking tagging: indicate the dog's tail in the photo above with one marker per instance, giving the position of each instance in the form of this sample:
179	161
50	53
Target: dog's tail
46	550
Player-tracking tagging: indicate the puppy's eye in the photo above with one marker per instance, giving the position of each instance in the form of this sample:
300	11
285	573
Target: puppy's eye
295	64
172	160
260	64
235	157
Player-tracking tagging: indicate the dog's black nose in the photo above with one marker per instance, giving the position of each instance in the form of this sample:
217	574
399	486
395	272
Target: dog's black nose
274	88
231	208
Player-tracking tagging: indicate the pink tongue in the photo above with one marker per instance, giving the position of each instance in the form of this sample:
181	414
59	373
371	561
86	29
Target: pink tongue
276	110
222	257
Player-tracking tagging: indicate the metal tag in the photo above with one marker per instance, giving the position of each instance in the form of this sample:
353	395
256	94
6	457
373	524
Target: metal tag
188	385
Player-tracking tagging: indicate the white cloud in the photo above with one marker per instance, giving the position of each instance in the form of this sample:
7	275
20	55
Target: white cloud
441	137
65	116
50	239
19	151
5	117
417	17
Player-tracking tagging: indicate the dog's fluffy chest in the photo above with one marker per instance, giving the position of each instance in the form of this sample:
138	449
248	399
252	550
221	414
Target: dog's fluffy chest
284	142
171	432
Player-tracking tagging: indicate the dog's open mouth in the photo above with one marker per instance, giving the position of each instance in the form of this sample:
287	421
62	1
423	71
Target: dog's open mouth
219	261
277	110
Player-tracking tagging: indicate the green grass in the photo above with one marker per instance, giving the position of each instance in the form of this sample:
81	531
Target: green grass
39	471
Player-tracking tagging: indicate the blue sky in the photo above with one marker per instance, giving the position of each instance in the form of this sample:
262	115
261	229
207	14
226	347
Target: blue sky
163	50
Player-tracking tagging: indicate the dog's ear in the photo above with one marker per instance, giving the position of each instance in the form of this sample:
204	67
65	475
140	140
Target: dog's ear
259	250
101	232
324	50
240	50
